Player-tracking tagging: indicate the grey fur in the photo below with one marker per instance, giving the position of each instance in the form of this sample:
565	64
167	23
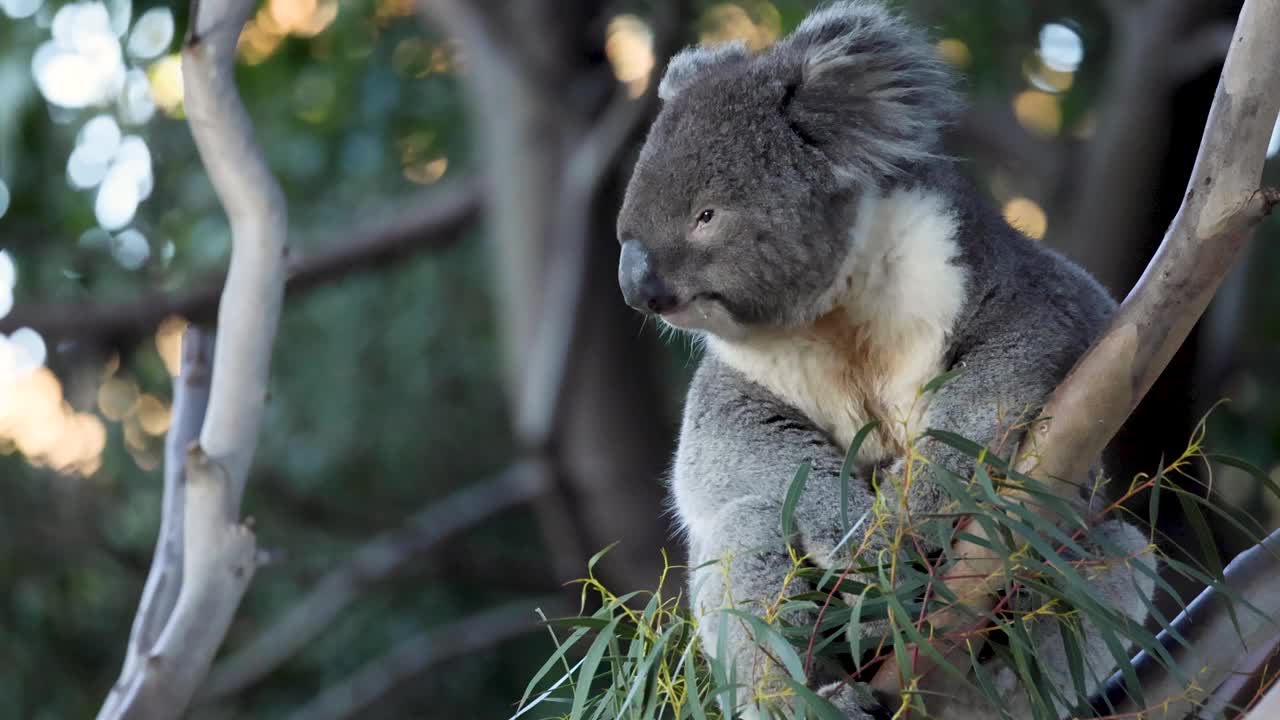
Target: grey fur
788	147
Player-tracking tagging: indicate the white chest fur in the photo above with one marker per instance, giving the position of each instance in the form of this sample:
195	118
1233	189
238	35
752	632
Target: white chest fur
894	302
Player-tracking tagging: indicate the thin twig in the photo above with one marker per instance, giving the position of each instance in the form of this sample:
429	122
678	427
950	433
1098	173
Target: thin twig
379	677
432	222
372	563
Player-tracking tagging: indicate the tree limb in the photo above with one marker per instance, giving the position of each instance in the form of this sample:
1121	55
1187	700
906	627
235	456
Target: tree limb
1269	707
218	553
1214	640
1222	205
160	593
379	677
433	222
371	563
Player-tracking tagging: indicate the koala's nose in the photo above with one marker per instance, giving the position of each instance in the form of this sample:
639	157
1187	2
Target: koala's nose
642	287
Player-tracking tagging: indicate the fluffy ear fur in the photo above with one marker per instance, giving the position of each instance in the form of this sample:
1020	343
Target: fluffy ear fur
865	88
690	63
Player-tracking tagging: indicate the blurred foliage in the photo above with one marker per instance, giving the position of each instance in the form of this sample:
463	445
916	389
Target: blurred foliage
385	392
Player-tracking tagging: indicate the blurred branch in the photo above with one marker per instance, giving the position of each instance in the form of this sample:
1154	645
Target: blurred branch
1222	625
540	405
430	224
381	676
1251	672
1269	707
545	213
218	553
1199	51
373	562
1107	197
992	133
1222	206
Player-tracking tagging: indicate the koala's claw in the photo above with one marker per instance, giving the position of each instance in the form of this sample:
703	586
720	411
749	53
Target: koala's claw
855	702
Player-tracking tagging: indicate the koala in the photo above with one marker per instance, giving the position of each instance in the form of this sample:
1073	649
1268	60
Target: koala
794	210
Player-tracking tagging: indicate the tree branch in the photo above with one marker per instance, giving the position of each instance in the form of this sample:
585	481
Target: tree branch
433	222
218	553
1269	707
372	563
411	657
160	593
1201	50
1214	640
1221	207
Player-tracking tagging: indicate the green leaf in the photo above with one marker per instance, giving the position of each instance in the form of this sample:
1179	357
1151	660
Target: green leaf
768	637
794	491
1071	645
641	675
1258	473
942	379
587	674
546	667
691	685
846	470
591	564
967	446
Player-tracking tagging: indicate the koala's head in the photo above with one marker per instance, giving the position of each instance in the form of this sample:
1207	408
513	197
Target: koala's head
738	214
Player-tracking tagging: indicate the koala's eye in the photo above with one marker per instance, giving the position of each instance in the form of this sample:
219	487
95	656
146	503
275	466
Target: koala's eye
705	216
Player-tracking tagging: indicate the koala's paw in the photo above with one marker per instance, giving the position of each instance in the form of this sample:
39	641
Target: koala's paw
855	702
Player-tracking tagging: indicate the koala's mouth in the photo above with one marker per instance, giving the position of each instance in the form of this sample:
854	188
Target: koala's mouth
698	305
706	312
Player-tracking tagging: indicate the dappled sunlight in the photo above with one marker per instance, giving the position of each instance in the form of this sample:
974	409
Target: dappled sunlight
629	46
955	51
36	421
1050	71
278	19
1038	111
1024	214
426	173
165	75
19	9
757	24
168	342
1061	48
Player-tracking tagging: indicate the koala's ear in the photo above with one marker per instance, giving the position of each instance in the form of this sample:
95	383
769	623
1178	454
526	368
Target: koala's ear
866	88
690	63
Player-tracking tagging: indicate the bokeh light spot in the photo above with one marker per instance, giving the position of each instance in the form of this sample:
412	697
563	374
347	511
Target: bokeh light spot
425	173
152	34
955	52
117	398
1061	47
629	47
1024	214
131	249
1038	111
169	342
165	76
758	24
19	9
153	415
